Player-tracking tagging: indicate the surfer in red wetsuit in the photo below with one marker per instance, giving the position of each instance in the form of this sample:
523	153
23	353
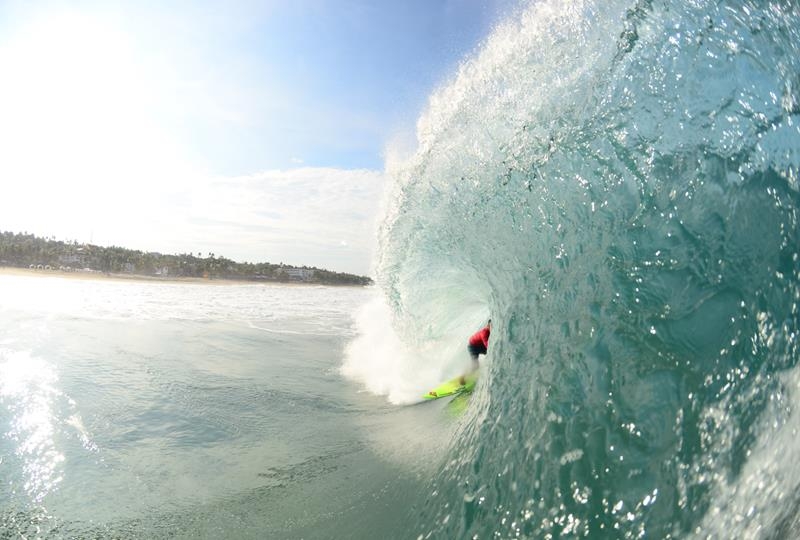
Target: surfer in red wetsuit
478	343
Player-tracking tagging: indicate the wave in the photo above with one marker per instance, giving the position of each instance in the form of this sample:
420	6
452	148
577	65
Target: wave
616	184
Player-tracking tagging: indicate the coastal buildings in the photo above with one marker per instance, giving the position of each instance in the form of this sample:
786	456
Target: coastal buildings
297	274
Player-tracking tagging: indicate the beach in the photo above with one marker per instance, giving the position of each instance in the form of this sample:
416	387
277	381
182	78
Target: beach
106	276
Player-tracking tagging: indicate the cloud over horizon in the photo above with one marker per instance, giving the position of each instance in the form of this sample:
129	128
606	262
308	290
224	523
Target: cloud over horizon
311	215
322	217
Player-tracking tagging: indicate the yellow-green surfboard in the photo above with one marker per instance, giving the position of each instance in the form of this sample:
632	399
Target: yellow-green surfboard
453	386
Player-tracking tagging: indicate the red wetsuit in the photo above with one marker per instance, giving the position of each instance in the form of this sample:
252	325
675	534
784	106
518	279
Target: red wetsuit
479	341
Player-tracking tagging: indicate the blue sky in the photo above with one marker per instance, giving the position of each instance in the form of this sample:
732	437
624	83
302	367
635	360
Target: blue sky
171	107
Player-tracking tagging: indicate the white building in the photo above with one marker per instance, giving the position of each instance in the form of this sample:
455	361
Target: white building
302	274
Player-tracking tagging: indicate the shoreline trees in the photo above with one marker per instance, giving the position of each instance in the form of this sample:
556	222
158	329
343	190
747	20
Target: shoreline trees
22	250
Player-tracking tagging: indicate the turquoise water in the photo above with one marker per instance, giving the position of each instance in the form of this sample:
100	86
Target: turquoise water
616	185
142	410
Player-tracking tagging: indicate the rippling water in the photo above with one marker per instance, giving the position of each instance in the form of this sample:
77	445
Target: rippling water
147	410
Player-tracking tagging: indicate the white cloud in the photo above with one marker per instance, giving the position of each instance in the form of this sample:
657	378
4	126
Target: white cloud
315	216
311	216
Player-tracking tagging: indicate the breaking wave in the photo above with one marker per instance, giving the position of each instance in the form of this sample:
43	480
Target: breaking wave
616	184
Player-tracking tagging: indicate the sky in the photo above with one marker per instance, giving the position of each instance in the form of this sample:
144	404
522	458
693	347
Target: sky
254	130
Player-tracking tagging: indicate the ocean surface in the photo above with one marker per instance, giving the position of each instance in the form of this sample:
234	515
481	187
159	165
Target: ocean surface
169	410
614	183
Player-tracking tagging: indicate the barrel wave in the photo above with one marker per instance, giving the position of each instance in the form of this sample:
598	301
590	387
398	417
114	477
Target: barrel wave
616	184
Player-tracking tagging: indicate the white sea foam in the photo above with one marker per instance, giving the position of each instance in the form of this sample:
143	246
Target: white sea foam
280	309
404	364
763	496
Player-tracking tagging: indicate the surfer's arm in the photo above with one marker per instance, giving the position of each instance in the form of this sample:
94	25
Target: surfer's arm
485	338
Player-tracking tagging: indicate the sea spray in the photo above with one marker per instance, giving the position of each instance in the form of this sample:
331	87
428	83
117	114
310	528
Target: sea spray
404	364
616	183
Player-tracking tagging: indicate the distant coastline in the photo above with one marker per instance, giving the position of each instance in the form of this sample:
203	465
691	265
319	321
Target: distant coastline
29	255
132	278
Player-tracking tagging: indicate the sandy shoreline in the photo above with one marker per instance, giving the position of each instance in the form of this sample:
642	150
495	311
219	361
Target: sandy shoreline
14	271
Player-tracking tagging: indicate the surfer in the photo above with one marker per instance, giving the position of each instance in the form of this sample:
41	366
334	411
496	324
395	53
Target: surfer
477	345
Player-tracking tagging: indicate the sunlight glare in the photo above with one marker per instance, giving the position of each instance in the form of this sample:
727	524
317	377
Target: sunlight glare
80	137
28	389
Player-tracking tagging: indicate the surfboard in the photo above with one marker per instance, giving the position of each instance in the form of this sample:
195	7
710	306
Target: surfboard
453	386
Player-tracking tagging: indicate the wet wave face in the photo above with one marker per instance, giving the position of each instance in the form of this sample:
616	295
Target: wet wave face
616	183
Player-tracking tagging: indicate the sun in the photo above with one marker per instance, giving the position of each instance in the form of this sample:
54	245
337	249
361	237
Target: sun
80	135
71	90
